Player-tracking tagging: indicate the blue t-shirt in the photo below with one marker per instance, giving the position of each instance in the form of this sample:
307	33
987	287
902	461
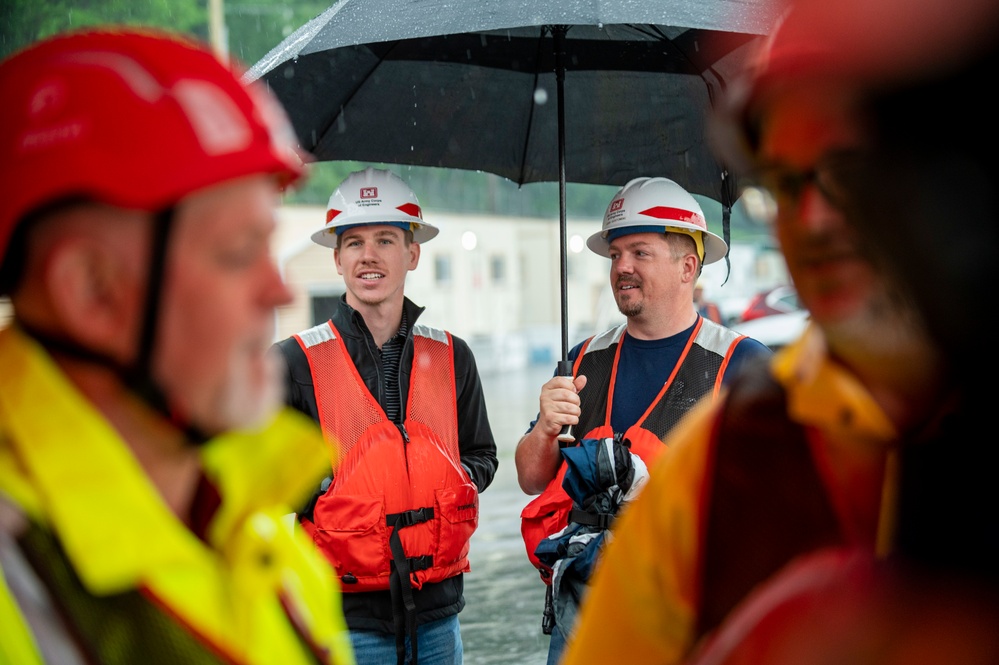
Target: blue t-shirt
645	365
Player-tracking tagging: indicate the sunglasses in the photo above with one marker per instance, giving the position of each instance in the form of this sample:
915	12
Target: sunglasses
775	187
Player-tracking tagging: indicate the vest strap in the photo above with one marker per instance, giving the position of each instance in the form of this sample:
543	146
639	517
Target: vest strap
410	517
401	592
586	518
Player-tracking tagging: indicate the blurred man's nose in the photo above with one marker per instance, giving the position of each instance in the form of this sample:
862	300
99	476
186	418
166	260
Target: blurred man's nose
278	293
814	211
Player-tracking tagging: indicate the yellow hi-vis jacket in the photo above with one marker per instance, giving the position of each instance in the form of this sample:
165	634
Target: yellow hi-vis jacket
65	469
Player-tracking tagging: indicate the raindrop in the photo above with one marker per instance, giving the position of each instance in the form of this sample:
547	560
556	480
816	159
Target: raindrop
540	96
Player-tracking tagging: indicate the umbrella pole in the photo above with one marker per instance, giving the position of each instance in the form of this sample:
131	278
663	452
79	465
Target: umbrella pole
564	366
558	32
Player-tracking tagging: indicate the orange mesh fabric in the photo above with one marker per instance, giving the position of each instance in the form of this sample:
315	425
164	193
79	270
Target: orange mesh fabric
432	398
336	381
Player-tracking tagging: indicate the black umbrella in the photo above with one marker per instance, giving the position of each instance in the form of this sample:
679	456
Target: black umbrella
585	91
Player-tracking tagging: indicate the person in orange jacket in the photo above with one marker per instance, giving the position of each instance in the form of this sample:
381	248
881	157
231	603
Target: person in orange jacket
929	164
799	455
146	468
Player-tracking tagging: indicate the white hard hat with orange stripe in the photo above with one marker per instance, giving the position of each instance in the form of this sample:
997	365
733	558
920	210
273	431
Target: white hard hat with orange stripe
373	196
659	205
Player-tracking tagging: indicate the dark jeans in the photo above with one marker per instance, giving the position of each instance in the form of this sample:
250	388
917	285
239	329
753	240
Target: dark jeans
440	644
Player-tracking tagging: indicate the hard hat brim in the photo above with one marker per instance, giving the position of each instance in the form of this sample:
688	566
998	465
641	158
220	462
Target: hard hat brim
715	248
326	236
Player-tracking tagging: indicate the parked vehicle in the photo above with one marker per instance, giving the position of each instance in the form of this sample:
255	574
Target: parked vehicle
778	300
775	330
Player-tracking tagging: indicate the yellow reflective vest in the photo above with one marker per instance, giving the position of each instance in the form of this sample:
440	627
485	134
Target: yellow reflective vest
65	469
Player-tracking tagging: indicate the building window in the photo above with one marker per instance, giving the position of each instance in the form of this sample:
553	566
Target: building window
497	269
442	269
323	307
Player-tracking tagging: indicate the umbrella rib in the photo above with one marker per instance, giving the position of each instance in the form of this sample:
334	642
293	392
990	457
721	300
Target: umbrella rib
530	116
727	187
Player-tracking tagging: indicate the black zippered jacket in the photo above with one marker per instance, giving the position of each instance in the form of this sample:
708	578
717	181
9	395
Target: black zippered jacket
477	448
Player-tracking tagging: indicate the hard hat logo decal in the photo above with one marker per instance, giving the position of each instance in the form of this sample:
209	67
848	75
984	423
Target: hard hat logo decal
331	213
48	98
44	105
369	193
616	205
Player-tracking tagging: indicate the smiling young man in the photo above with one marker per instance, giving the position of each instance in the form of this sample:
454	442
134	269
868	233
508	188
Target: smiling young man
402	408
639	379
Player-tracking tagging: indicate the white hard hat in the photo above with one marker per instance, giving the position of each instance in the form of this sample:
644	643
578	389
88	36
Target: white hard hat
656	204
373	196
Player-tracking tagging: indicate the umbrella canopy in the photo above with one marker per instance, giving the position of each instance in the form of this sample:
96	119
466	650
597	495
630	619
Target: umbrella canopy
581	91
472	85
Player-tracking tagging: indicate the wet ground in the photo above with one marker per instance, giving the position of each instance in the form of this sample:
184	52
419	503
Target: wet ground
501	622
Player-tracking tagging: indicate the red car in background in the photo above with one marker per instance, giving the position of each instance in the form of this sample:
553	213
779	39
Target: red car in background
778	300
774	317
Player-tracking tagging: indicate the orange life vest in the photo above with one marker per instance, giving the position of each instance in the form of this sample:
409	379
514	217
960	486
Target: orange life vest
399	495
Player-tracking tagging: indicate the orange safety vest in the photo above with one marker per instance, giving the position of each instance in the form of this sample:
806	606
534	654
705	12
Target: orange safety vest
548	513
399	495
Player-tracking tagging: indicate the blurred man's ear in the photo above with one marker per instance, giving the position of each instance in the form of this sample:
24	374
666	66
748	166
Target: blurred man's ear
93	280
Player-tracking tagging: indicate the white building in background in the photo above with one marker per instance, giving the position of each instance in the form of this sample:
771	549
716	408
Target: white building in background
495	282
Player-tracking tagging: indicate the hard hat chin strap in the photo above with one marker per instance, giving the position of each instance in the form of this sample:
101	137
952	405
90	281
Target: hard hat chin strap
139	378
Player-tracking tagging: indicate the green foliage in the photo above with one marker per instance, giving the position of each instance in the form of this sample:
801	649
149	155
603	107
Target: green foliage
26	21
257	26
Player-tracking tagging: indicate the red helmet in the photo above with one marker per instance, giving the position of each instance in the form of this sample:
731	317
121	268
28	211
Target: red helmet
860	44
789	56
133	118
